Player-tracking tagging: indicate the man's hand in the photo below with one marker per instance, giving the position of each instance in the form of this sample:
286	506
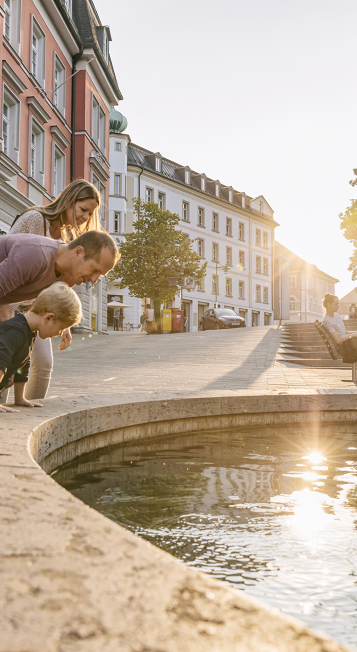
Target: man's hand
66	340
4	408
23	402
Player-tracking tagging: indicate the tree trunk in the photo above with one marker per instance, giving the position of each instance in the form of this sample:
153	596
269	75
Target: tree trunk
157	312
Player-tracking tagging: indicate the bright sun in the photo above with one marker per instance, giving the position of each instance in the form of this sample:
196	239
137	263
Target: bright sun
315	458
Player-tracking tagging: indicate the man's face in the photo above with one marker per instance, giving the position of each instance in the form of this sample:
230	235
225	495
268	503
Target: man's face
89	271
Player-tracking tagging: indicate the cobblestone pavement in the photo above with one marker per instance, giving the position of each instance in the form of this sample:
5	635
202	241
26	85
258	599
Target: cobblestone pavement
213	360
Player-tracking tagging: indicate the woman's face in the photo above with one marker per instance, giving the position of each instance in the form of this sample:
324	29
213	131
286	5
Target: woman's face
335	304
83	210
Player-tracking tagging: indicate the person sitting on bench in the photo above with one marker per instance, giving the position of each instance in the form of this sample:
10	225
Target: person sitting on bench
346	342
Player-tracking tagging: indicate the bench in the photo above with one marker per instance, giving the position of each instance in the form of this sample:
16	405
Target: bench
333	348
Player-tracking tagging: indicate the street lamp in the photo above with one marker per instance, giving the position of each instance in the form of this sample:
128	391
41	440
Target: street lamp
225	269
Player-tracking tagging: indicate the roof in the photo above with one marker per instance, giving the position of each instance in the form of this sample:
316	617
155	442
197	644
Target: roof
143	158
83	25
298	264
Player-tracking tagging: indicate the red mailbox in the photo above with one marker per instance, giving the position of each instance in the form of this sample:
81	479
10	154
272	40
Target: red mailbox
177	317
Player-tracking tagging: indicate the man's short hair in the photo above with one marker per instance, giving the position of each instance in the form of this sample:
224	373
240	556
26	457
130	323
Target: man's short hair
62	301
93	243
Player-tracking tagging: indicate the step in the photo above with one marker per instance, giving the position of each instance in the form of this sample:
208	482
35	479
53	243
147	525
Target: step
303	347
333	364
309	355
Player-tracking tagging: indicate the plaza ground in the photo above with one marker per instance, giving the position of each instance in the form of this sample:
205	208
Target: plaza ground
228	360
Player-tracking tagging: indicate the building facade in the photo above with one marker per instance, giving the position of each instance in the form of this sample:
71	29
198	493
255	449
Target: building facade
308	284
57	86
229	229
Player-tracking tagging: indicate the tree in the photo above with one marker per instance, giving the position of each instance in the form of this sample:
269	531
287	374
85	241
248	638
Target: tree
153	252
349	228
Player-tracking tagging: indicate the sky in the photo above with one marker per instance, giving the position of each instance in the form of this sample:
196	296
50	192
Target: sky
259	94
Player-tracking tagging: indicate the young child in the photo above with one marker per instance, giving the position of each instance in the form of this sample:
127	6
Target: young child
55	309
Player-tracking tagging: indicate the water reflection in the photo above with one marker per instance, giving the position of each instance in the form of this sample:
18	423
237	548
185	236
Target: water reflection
271	511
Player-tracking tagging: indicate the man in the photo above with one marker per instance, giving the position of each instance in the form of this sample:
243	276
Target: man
30	263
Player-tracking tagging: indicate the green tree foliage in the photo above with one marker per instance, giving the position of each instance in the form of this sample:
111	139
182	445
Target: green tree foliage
153	252
349	228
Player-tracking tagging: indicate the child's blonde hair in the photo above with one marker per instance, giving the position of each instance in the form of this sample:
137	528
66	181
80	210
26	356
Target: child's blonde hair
62	301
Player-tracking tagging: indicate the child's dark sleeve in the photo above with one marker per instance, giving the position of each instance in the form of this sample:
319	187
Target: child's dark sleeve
10	342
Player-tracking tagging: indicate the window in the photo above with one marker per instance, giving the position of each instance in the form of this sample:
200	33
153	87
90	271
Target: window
59	85
265	240
215	252
103	196
158	164
292	303
293	281
98	125
331	289
203	184
37	152
185	212
326	287
229	255
258	237
68	5
215	284
260	207
119	222
265	295
316	283
59	171
117	146
201	217
230	196
241	290
228	287
117	184
311	305
258	265
201	248
187	177
149	194
258	289
321	286
38	53
7	21
200	285
243	202
216	192
265	266
11	125
241	260
241	231
162	200
228	226
215	222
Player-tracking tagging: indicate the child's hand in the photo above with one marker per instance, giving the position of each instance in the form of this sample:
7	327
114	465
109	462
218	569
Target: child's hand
66	340
3	408
25	403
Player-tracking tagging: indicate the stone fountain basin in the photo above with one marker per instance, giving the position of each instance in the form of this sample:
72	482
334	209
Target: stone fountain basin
72	580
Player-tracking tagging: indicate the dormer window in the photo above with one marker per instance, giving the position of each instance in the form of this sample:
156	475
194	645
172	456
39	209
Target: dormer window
243	202
104	36
158	165
203	184
217	189
187	177
260	207
230	196
68	5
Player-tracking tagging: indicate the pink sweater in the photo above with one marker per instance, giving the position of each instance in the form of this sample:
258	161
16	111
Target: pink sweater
27	266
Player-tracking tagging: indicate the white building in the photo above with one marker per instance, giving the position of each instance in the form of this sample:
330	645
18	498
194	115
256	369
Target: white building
229	228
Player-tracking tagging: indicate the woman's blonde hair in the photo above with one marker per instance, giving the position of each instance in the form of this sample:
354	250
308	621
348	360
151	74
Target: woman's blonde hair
77	190
62	301
328	298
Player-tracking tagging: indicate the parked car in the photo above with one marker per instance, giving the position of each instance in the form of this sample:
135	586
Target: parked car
216	318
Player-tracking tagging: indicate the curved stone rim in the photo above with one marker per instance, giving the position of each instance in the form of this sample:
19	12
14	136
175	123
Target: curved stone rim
67	572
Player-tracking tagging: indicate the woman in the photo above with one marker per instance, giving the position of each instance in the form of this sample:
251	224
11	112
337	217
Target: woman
75	210
346	342
351	311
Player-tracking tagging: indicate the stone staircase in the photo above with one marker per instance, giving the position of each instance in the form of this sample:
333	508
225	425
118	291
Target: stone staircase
301	344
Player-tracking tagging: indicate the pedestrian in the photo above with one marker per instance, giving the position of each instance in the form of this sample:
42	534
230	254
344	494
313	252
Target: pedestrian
351	311
120	319
55	309
143	319
30	263
116	319
346	342
149	318
74	211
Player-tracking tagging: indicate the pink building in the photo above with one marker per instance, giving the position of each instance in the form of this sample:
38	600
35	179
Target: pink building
55	126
